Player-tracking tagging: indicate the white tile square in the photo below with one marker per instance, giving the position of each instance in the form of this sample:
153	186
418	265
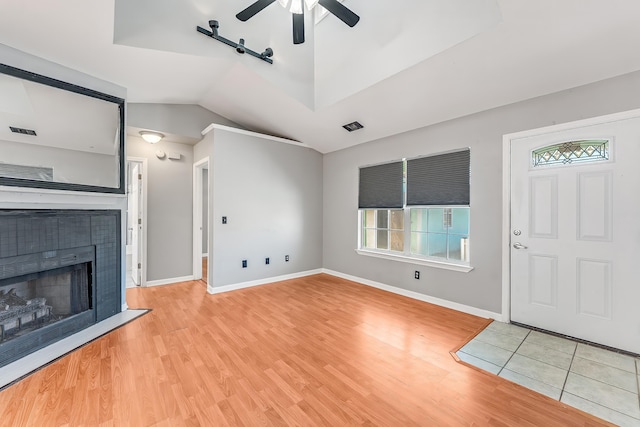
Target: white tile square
603	394
531	384
555	343
537	370
600	355
600	411
508	329
606	374
496	355
508	342
545	354
479	363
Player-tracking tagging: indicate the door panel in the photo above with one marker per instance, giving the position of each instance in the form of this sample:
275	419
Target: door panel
575	238
135	237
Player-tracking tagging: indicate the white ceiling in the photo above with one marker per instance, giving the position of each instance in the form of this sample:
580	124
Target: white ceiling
407	64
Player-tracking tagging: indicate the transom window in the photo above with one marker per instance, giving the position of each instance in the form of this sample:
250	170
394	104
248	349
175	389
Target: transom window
417	208
569	152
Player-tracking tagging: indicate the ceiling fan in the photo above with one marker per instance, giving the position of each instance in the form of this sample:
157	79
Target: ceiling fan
297	11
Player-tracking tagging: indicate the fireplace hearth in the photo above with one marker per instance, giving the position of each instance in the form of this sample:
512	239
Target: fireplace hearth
59	273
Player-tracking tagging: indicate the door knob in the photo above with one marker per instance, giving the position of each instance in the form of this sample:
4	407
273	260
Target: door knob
518	245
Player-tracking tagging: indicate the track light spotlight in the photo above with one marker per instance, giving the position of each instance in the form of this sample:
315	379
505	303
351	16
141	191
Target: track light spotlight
268	53
214	27
240	46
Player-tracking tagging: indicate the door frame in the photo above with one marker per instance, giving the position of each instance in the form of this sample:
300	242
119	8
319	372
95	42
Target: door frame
198	167
143	230
507	141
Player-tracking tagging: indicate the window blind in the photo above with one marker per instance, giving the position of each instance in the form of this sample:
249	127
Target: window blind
442	179
381	186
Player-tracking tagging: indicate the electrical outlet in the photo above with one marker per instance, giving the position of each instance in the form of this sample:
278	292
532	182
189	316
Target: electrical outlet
244	263
286	258
266	261
416	274
224	219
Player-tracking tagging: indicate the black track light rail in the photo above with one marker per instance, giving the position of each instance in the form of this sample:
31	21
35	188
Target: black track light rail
239	47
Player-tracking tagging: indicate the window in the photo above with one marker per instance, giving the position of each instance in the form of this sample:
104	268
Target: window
566	153
383	229
417	209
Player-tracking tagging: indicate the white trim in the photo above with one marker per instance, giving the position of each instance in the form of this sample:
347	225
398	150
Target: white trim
418	296
170	281
198	177
234	287
418	261
507	140
125	307
250	133
143	237
205	255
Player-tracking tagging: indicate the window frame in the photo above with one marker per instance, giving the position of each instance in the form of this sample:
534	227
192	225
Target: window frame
406	255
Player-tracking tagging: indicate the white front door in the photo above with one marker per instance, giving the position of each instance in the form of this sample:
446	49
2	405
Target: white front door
575	232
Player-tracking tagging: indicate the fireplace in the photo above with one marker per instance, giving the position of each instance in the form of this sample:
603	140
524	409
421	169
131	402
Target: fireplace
59	273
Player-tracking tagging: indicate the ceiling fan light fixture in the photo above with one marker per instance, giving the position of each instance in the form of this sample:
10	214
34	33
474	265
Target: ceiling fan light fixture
151	137
296	7
311	3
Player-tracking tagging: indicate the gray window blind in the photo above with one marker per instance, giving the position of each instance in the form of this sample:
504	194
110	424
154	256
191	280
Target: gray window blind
381	186
439	180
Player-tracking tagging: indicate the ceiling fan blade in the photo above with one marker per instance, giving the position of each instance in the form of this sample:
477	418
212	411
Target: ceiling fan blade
298	27
340	11
253	9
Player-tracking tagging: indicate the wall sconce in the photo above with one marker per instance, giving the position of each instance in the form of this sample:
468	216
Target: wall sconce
239	47
151	137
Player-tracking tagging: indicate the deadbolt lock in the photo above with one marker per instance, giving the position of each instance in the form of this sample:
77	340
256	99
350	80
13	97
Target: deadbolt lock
517	232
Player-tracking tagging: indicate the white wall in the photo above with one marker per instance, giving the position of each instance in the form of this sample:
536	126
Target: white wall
271	194
480	288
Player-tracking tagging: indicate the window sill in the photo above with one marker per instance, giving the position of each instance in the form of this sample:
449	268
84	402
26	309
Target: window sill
464	268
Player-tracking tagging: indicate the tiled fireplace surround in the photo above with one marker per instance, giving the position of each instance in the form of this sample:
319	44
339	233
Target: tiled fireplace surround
33	241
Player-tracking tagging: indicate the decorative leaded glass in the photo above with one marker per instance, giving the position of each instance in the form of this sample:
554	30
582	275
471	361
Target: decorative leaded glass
585	150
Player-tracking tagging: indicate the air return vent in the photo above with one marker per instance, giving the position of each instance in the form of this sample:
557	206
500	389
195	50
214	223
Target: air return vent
23	131
353	126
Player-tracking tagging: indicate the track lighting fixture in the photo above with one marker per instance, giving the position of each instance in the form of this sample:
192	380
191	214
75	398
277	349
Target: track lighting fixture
239	47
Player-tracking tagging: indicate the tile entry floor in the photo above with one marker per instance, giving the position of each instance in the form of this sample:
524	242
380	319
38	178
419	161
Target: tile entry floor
598	381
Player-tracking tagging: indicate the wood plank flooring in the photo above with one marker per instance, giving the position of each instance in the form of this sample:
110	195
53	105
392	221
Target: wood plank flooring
313	351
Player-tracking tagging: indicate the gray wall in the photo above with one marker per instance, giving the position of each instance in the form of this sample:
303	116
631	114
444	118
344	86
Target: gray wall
169	208
482	132
271	194
185	120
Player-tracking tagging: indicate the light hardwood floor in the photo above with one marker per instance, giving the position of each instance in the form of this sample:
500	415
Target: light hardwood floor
313	351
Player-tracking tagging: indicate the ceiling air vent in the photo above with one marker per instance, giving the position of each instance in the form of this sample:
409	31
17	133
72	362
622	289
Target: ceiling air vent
353	126
23	131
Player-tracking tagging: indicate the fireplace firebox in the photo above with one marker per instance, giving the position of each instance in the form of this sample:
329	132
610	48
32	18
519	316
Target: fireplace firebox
59	273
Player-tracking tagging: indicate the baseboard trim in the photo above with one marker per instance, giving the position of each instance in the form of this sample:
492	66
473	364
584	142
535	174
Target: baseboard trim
234	287
418	296
168	281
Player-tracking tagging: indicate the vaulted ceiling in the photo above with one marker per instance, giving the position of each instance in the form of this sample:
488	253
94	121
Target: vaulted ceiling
405	65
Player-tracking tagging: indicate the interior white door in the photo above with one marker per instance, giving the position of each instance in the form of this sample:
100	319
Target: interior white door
135	205
575	233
